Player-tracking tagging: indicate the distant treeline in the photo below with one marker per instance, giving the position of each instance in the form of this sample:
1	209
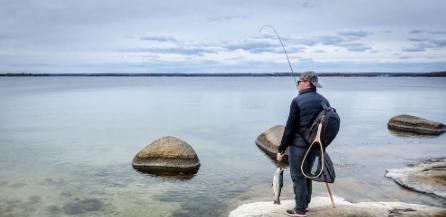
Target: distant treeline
272	74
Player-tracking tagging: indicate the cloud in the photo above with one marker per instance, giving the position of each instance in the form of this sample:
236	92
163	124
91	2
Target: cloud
438	32
227	18
422	44
305	4
252	46
348	40
188	51
355	34
355	47
159	39
416	31
430	32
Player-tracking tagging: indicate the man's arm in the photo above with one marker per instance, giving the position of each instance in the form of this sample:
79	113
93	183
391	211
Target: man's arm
290	127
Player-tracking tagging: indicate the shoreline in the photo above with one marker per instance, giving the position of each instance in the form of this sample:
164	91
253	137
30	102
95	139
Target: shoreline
271	74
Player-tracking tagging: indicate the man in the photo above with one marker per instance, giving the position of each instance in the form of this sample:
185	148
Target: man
304	109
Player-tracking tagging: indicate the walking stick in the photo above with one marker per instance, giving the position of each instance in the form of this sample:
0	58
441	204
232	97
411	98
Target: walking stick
331	196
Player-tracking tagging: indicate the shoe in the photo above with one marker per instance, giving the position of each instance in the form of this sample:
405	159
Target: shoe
307	210
294	213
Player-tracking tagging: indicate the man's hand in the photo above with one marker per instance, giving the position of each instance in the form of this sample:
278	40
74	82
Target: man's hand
279	157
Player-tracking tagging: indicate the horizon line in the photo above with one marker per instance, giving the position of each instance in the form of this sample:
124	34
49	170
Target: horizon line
241	74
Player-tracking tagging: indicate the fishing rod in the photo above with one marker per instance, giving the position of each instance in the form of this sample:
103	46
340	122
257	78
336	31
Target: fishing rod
284	50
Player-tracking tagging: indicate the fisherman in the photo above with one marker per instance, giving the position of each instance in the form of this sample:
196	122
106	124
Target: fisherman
304	109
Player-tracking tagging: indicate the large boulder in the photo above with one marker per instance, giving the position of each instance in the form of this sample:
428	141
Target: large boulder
321	207
427	177
408	123
167	155
269	140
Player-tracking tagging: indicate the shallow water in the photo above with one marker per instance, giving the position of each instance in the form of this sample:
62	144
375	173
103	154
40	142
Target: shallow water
66	143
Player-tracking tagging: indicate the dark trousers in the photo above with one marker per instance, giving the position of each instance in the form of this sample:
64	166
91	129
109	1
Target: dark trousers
302	185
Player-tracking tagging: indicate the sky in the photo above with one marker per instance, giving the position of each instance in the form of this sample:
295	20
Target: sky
209	36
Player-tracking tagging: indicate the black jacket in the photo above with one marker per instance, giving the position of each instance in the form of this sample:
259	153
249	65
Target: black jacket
303	110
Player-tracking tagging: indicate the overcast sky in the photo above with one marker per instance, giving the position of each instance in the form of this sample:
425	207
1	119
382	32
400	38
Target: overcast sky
204	36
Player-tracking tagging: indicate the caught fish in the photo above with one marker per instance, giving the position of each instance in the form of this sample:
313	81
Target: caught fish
277	185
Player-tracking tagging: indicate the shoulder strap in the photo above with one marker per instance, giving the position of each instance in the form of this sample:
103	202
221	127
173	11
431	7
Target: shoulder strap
325	106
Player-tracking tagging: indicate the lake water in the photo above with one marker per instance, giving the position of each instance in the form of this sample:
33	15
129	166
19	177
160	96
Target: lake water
66	143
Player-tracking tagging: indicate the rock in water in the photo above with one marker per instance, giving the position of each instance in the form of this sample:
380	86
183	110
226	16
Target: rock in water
269	140
408	123
429	177
167	155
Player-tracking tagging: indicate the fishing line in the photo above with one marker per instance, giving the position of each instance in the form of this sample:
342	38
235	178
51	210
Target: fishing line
284	50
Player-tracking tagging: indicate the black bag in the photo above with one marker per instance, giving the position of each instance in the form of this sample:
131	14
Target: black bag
328	174
330	126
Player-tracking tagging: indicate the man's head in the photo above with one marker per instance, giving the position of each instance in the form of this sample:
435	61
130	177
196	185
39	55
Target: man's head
307	80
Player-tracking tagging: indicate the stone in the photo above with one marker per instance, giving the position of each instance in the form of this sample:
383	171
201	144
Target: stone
167	155
412	124
269	140
428	177
321	207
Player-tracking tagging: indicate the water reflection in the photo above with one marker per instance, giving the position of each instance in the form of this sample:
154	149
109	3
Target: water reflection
167	175
409	134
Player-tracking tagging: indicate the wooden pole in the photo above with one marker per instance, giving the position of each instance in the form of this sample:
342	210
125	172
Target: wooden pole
331	196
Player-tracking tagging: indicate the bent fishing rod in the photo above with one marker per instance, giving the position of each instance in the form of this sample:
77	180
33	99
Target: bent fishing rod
284	50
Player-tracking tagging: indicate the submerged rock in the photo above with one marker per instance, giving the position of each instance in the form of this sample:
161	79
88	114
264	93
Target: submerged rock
167	155
269	140
408	123
429	177
321	207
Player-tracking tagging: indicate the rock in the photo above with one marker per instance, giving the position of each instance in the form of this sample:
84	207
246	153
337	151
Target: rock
321	207
429	177
167	155
408	123
269	140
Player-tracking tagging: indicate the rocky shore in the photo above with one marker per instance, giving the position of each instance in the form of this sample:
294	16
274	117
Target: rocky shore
427	177
321	207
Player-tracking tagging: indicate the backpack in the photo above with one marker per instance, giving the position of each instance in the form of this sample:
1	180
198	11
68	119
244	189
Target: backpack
330	126
323	130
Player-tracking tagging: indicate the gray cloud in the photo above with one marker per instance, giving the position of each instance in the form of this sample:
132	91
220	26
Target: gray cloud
347	40
438	32
330	40
188	51
416	31
226	18
355	47
418	39
159	39
355	34
422	44
252	46
429	32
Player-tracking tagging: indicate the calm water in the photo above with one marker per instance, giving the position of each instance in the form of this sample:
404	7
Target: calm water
66	143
